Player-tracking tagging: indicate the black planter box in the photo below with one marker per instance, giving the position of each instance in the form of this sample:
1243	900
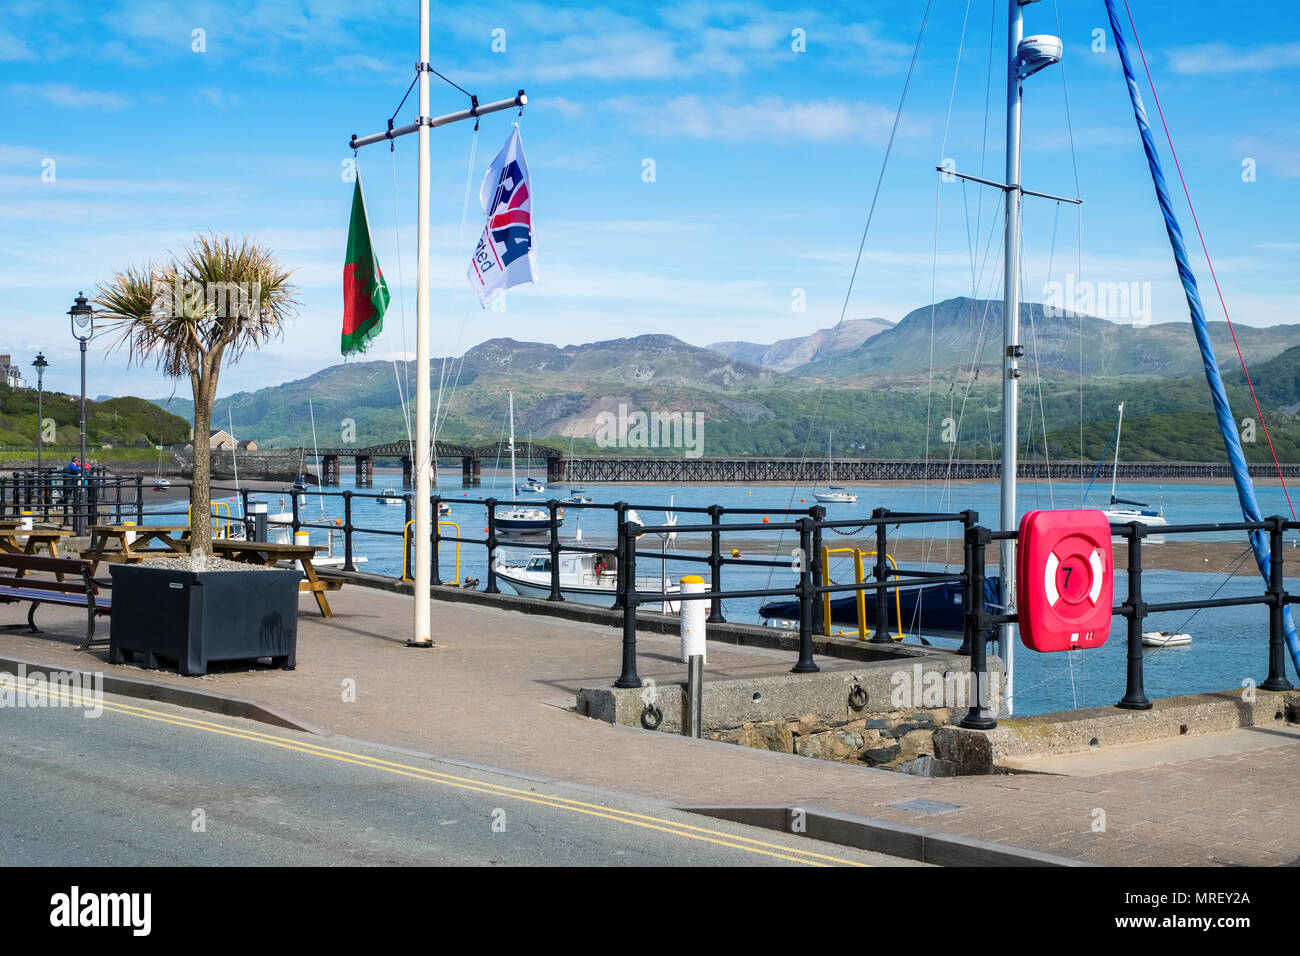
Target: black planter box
192	618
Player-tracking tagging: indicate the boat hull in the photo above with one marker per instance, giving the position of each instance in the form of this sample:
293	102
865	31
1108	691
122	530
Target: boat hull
933	610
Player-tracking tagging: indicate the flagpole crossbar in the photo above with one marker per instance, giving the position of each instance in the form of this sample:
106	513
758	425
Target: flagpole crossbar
519	100
1004	187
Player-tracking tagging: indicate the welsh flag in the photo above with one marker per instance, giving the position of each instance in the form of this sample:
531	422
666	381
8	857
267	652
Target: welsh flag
365	293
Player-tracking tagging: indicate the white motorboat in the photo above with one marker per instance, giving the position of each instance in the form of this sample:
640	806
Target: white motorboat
391	497
833	493
1165	639
586	577
530	486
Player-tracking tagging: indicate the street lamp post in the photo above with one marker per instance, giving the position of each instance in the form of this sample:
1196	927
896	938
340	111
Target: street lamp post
83	327
40	365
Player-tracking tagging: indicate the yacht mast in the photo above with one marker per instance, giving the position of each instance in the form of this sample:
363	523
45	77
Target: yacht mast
1114	470
513	492
1011	347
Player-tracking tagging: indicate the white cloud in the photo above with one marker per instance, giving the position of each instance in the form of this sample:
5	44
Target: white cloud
766	118
13	50
61	94
1220	58
216	97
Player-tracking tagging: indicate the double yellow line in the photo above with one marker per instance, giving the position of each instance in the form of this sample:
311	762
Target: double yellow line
644	821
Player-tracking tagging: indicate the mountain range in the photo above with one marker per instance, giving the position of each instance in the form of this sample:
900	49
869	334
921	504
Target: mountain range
869	380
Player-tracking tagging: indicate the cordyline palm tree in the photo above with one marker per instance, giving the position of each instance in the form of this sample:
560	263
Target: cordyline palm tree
209	305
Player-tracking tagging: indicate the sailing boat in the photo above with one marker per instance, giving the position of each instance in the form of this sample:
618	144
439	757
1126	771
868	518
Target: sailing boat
520	519
160	482
833	493
1129	511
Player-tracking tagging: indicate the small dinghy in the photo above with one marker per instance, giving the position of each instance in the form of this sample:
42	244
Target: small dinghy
1165	639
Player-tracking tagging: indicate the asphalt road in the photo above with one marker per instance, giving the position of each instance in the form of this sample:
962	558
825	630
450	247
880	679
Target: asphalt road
150	784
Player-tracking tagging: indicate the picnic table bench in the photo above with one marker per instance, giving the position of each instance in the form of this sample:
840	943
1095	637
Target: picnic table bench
131	544
80	590
267	554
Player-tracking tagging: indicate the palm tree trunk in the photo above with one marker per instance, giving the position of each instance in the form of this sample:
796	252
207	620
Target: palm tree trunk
201	488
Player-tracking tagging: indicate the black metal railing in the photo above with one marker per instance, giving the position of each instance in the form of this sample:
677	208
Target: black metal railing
1134	609
96	497
75	500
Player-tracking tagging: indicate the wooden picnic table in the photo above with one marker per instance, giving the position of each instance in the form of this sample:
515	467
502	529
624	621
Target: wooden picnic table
268	554
150	540
48	538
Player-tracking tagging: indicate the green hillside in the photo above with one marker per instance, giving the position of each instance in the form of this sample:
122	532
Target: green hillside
120	422
875	397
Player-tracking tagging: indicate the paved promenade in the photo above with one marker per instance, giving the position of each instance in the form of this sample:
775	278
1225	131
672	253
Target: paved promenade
499	687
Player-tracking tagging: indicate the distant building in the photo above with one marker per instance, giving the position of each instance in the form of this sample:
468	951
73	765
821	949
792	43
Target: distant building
10	374
220	440
248	445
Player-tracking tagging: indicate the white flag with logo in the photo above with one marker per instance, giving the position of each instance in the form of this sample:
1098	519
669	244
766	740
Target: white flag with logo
505	256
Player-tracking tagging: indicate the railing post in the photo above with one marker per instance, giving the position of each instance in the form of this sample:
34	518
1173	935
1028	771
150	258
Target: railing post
1277	596
491	547
1135	609
969	598
553	506
406	532
347	531
627	534
805	664
715	564
976	631
435	574
820	622
139	499
881	574
620	517
296	523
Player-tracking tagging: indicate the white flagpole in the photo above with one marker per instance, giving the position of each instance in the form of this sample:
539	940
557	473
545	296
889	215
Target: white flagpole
421	635
421	631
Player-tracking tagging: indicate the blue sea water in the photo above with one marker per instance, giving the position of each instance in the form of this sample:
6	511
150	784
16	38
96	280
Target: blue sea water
1229	645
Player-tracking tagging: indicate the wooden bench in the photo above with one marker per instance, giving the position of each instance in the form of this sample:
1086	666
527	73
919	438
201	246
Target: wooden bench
78	590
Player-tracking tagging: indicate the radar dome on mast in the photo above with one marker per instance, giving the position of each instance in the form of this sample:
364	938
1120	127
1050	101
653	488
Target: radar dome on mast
1038	52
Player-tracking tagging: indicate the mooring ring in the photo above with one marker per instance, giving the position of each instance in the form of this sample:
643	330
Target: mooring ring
651	717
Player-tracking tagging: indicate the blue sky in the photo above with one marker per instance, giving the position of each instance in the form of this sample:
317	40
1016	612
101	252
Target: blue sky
764	160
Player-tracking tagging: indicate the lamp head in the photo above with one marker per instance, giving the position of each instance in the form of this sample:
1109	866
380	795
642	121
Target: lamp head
82	316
